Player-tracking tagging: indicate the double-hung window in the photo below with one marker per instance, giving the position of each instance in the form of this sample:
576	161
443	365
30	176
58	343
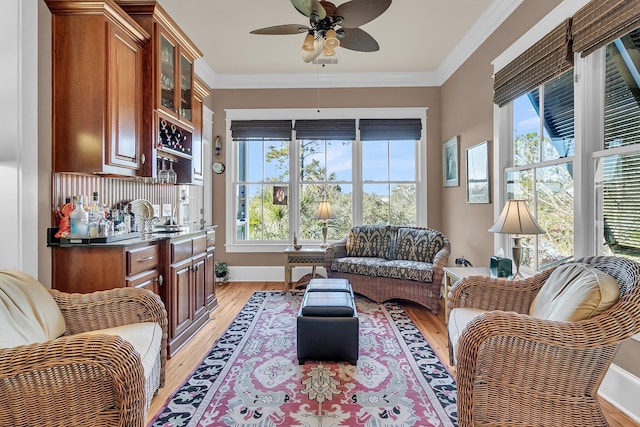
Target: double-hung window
542	171
618	162
370	169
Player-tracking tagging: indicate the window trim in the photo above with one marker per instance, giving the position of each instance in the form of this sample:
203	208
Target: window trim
310	114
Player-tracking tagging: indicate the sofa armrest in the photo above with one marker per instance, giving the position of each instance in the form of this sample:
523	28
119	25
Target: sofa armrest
72	380
111	308
335	250
440	261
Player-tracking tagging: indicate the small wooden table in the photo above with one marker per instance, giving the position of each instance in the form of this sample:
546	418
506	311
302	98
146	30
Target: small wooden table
303	257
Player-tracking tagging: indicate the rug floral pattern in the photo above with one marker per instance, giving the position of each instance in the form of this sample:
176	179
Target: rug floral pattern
252	378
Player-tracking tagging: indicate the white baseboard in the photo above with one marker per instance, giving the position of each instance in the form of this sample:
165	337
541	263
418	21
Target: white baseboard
622	389
268	274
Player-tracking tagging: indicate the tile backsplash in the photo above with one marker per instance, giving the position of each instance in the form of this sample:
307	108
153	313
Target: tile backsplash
121	190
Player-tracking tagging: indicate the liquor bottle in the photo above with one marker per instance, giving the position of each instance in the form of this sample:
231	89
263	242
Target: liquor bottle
79	219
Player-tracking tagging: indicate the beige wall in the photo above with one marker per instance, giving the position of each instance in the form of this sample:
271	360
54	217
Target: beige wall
329	98
467	111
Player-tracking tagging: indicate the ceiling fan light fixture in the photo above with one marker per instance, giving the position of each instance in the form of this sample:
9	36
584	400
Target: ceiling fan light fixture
328	50
308	43
331	39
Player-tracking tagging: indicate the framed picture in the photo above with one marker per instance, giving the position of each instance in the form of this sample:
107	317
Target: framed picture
450	171
478	173
280	195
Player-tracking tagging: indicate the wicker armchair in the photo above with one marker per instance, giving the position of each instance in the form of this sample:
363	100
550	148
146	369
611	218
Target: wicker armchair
514	369
83	380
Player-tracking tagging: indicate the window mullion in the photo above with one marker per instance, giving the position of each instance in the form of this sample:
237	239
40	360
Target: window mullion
294	185
356	178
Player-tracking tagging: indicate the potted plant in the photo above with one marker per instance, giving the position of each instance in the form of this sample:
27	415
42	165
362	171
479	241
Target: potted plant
222	271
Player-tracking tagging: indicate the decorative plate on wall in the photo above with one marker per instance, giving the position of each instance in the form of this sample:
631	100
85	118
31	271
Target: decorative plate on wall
218	167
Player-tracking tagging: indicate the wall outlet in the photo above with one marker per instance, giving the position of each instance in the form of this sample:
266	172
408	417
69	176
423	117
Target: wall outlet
156	211
166	209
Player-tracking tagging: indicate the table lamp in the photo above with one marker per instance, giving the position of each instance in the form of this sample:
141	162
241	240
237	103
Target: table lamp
324	214
516	219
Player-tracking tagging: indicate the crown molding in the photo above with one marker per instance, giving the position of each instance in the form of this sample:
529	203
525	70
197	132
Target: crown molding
497	12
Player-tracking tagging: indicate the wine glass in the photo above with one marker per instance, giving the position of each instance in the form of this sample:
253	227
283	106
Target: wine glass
172	176
163	174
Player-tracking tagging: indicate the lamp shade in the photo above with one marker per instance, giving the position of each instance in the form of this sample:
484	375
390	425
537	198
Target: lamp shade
331	39
308	45
516	218
324	211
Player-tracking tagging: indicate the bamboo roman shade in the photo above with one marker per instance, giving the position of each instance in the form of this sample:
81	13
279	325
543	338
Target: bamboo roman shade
337	129
390	129
548	58
600	22
261	129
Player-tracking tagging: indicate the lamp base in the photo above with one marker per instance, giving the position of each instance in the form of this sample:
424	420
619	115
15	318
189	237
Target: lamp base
516	252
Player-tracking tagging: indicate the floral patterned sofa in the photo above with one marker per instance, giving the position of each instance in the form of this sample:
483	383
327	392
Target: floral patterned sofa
385	262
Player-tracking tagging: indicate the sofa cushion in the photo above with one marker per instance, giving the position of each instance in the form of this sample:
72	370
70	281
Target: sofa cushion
145	337
28	312
459	318
418	244
406	270
365	266
369	241
575	292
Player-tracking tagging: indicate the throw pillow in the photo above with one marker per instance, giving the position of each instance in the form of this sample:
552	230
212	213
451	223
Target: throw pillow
575	292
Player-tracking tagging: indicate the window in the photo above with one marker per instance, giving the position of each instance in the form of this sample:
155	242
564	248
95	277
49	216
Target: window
543	146
618	165
366	167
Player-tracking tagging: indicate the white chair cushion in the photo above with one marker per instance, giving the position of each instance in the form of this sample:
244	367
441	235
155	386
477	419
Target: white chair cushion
459	318
145	337
28	312
575	292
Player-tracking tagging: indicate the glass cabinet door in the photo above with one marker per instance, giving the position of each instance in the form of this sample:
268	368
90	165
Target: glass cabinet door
167	74
186	85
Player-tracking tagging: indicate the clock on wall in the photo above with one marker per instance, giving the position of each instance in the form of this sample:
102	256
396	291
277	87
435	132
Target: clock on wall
218	167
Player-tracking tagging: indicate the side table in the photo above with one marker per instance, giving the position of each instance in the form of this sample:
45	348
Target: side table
303	257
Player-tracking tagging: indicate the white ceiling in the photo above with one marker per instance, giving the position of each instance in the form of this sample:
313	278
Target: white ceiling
421	42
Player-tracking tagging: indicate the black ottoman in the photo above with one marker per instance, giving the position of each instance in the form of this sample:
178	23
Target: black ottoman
328	324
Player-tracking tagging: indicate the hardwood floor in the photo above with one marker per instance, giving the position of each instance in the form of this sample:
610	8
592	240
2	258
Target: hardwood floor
233	296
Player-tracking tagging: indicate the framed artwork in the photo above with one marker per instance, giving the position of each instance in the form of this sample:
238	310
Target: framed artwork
478	173
450	170
280	195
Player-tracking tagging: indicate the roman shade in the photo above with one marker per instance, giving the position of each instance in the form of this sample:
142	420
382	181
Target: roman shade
546	59
600	22
390	129
338	129
261	129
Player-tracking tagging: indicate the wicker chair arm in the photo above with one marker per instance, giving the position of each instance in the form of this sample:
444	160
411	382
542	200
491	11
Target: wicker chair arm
490	293
76	380
509	352
115	307
108	309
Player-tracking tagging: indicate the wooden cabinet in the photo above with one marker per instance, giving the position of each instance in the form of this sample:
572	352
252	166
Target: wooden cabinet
201	90
191	297
97	88
168	101
87	268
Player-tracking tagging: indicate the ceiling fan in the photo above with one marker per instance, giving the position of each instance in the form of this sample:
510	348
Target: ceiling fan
331	26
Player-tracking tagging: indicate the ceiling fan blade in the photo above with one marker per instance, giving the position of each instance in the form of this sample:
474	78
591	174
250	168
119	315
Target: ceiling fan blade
357	39
282	29
358	12
308	7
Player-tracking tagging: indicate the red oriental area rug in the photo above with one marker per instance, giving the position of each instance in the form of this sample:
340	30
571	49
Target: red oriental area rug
251	377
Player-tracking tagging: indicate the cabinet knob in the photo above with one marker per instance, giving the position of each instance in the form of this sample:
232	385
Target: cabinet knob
143	159
160	280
